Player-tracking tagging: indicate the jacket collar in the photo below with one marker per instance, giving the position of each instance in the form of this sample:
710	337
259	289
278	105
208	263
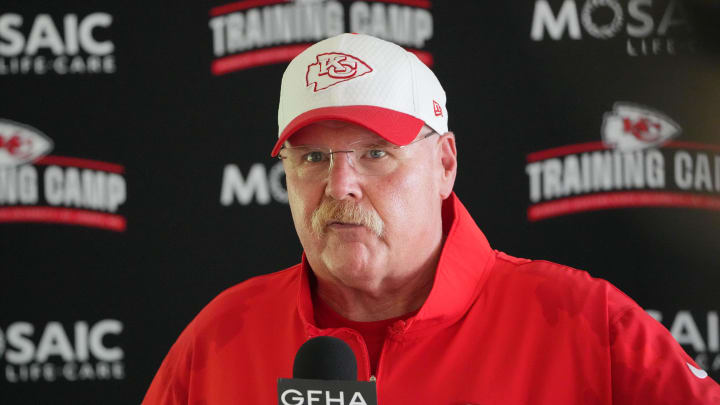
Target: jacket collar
465	262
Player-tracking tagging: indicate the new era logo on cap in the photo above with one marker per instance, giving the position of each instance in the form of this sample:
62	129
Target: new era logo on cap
334	67
437	109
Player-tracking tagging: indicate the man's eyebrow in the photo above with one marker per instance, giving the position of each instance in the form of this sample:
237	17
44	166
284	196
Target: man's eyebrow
288	144
373	142
308	146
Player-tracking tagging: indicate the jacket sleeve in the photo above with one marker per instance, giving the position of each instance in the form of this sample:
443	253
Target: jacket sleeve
170	385
649	366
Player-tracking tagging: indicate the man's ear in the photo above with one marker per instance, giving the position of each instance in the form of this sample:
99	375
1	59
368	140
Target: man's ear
448	160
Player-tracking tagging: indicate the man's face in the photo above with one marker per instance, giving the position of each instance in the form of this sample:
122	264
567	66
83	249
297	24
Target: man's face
367	231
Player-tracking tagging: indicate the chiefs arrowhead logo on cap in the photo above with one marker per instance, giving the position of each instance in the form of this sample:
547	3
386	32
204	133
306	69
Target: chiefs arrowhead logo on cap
334	67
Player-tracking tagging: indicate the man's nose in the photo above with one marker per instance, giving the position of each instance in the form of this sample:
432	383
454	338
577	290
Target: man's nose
343	181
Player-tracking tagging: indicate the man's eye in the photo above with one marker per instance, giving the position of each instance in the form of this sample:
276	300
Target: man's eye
313	157
376	153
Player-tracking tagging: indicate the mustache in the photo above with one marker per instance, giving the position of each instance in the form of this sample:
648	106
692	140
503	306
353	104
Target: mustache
331	210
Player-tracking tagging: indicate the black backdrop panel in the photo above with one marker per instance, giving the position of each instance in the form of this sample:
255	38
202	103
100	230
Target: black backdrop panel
136	182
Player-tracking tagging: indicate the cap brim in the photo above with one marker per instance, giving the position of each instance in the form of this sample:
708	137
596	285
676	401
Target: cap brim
393	126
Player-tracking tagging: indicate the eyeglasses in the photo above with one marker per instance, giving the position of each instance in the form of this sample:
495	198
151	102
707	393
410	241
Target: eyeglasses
367	158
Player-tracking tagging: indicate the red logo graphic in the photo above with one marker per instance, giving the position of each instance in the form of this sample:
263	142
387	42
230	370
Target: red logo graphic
15	145
631	127
643	129
333	68
21	144
437	109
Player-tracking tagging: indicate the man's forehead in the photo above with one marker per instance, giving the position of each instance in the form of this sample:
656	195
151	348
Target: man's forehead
322	132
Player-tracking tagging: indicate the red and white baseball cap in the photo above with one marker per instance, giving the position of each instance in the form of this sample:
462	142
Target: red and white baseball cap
363	80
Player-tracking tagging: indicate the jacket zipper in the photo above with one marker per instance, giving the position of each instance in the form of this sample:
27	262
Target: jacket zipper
366	353
399	325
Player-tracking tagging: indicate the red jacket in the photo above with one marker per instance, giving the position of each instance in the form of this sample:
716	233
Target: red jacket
494	330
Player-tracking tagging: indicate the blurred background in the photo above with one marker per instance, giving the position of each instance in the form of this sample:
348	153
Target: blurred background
136	181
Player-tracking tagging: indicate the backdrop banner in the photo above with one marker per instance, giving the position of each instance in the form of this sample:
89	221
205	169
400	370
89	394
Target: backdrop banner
136	181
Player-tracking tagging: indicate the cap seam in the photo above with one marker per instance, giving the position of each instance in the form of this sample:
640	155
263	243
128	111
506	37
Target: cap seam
414	85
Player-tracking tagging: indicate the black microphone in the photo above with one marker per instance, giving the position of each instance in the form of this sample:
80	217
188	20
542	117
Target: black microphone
325	358
325	373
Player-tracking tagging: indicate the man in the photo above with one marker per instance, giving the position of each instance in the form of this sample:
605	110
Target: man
394	265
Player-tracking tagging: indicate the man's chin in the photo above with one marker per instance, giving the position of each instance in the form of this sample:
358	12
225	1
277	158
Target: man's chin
347	254
353	264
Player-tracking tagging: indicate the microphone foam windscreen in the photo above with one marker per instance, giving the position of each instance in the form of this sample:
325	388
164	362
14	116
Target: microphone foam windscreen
325	358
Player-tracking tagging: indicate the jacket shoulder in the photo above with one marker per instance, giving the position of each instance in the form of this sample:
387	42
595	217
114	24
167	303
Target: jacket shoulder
265	293
549	281
237	309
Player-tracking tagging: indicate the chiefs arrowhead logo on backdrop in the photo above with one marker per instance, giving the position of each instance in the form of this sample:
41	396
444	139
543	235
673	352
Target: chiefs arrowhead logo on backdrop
20	143
334	67
631	127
